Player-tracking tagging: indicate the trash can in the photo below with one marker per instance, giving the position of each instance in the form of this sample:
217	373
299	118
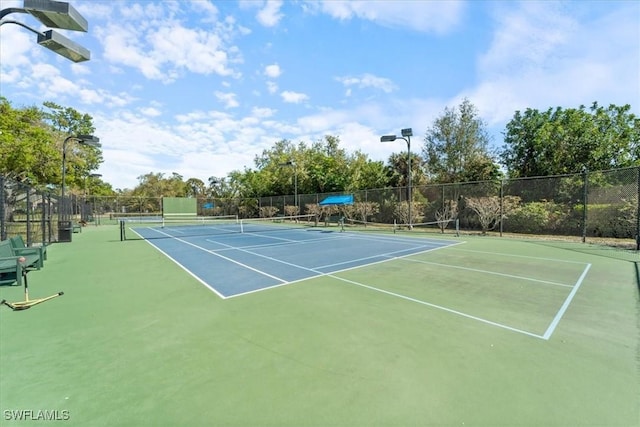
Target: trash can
65	231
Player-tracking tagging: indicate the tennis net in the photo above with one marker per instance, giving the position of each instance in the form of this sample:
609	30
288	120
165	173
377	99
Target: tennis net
452	226
144	228
351	224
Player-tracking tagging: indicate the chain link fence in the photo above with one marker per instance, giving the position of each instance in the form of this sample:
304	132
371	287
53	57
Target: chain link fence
595	206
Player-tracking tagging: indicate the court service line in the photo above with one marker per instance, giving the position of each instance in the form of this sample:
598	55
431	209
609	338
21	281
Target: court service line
565	305
192	274
439	307
224	257
316	269
523	256
269	245
271	259
320	274
384	255
477	270
379	237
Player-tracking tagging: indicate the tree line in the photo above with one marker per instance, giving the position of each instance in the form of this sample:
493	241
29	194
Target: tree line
456	147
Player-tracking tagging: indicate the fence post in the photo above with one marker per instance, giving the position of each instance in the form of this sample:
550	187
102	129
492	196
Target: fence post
501	204
43	223
638	215
585	175
3	229
29	213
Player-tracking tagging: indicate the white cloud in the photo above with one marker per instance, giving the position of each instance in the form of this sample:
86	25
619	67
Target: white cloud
263	112
229	99
270	15
368	80
150	112
272	87
293	97
150	40
425	16
542	57
272	71
527	37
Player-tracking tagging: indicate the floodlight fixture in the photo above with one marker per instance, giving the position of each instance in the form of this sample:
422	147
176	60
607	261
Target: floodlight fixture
63	46
90	140
56	14
53	14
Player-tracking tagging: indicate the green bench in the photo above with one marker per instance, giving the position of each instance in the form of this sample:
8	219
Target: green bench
18	244
11	270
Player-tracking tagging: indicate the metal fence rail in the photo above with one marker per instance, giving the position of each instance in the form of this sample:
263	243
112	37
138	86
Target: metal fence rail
588	205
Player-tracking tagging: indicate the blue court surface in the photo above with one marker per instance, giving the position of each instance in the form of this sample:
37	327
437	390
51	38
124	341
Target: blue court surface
233	264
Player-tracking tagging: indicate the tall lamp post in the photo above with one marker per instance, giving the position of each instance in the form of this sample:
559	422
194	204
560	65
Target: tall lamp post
406	135
64	234
292	164
53	14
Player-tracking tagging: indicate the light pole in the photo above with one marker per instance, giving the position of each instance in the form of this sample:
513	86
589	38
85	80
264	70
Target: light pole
406	135
90	140
292	164
53	14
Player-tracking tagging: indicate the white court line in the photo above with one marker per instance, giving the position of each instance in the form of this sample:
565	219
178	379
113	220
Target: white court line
378	237
183	267
221	256
563	309
448	310
546	335
320	274
495	273
386	255
268	245
523	256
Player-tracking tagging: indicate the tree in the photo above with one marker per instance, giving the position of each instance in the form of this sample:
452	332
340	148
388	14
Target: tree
563	141
319	168
447	213
80	159
456	144
365	173
156	185
27	149
397	170
195	187
491	210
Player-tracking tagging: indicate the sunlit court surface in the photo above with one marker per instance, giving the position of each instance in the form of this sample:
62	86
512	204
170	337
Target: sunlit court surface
290	322
521	293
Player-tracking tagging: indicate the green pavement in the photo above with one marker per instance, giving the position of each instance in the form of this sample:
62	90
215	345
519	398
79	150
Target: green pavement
137	341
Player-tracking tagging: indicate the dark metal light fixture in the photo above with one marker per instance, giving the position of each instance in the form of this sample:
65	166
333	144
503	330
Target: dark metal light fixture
56	14
63	46
53	14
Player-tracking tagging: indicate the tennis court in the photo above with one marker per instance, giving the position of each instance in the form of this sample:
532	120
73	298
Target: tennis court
362	329
523	294
266	254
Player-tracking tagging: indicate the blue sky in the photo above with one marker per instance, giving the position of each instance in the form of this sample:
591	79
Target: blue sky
200	88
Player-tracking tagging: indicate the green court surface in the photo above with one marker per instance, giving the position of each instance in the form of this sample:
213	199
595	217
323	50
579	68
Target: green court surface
483	333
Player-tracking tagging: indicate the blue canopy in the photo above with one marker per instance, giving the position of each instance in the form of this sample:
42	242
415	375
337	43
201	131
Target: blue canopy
345	199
